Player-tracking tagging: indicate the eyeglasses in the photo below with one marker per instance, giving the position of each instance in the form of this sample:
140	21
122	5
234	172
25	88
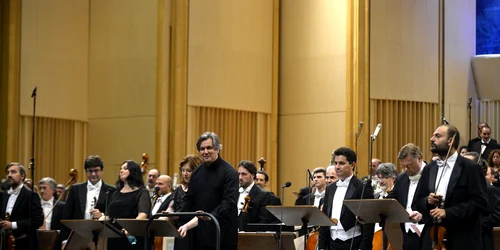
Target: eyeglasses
95	171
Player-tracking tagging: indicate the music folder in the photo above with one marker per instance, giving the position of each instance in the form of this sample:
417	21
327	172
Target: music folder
377	210
300	215
137	227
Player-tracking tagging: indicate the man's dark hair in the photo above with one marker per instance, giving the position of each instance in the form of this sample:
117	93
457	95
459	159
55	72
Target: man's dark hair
94	161
22	169
453	131
349	154
266	176
319	170
249	166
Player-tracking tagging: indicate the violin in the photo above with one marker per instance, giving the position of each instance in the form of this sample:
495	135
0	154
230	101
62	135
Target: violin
144	163
438	232
8	241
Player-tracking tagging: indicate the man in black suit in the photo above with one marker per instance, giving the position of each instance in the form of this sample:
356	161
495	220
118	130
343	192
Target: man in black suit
478	138
485	144
452	191
21	200
256	211
164	197
347	187
213	188
87	200
319	186
410	158
53	211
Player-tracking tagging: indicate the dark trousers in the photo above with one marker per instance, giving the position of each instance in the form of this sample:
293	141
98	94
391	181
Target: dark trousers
345	245
411	241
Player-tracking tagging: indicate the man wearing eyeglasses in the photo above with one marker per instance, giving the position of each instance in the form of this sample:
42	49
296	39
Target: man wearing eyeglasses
87	200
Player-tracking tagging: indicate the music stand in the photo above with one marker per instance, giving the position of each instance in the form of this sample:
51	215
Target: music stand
137	227
91	230
382	211
301	215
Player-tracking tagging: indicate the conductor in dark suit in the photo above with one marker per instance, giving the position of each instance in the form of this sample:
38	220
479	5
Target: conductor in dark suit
453	191
87	196
53	211
484	146
340	237
213	188
410	158
24	224
259	198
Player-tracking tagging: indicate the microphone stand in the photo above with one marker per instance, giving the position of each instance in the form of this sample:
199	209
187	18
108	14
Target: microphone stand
281	215
32	160
469	111
358	133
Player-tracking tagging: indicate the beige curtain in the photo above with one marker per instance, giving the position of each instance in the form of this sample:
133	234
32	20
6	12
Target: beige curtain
244	135
489	112
60	145
403	122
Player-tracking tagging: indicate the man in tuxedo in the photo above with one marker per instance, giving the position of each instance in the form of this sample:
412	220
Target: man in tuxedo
256	211
319	184
87	196
452	191
331	176
23	222
164	185
410	158
484	146
478	138
53	212
348	231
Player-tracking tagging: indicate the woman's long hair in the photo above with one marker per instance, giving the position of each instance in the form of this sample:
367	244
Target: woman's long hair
193	161
134	179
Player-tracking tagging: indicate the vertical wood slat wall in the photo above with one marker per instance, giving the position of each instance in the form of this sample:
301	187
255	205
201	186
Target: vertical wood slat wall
244	135
60	145
402	122
489	112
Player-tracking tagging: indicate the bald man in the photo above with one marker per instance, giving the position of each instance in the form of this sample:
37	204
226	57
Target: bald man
164	185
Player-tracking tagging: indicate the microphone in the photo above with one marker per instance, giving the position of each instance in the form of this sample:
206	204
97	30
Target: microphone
310	176
377	130
155	190
34	92
360	127
287	184
176	176
444	120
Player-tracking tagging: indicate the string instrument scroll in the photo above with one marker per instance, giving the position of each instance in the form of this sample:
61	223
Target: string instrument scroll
144	164
438	232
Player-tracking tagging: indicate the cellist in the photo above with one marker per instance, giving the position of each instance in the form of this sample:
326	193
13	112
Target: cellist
452	192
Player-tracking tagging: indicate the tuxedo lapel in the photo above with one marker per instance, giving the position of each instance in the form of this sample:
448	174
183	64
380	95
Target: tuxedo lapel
348	194
405	187
433	170
455	174
83	200
19	199
329	200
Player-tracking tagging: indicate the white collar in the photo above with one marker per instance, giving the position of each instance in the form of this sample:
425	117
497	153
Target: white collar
17	190
247	190
97	185
51	200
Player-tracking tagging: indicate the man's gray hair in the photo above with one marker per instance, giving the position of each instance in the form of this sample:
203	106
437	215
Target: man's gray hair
209	135
387	170
52	183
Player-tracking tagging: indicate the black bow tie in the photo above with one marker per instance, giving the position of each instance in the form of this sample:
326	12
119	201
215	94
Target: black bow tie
484	143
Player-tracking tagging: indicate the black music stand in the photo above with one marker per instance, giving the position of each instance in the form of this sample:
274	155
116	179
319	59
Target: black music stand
137	227
89	230
388	212
301	215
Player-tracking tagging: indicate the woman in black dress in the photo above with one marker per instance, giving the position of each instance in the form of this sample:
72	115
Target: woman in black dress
131	201
186	167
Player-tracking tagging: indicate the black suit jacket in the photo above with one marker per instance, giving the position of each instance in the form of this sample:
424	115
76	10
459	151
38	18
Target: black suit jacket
477	139
27	224
76	201
303	192
464	204
164	205
347	218
257	212
491	218
55	223
476	147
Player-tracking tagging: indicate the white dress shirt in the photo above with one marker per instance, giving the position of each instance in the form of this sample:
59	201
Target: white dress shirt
318	196
483	147
338	232
14	193
158	203
445	178
47	211
243	193
92	196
